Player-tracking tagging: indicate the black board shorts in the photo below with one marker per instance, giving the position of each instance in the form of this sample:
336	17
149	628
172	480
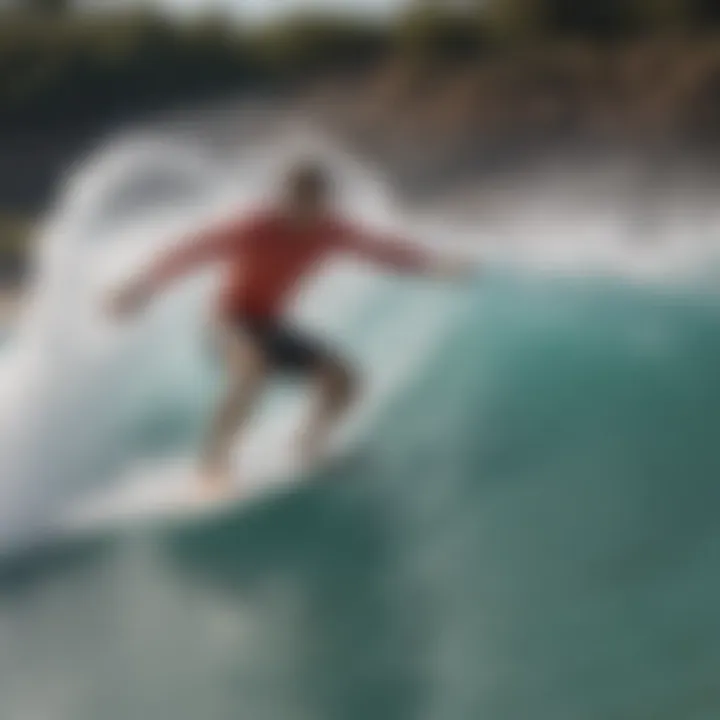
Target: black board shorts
286	348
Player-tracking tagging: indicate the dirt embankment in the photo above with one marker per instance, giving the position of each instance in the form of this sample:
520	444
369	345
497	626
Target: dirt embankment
430	114
656	98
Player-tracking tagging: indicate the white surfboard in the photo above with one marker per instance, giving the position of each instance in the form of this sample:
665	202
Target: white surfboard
172	490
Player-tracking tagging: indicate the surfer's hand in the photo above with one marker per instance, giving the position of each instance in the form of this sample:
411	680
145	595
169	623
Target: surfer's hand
129	300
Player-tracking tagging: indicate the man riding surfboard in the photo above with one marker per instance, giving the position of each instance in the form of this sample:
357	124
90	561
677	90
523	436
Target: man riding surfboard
267	253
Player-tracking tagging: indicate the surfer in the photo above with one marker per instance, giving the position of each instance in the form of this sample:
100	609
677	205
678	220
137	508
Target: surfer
267	253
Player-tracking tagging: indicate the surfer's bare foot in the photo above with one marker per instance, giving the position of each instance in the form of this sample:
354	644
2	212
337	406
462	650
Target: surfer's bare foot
306	450
214	485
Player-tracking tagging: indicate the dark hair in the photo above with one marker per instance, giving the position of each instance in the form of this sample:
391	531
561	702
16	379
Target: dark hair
308	178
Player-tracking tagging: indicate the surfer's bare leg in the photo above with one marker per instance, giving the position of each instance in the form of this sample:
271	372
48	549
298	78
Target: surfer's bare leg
247	370
336	389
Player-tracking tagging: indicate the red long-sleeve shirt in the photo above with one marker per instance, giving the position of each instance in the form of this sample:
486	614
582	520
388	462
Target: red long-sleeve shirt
267	255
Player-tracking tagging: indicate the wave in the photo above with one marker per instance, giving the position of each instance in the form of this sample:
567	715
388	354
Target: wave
527	529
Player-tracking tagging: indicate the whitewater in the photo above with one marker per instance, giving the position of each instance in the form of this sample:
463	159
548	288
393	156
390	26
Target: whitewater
525	527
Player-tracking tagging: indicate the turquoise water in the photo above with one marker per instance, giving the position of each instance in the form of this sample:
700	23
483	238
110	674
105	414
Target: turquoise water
528	530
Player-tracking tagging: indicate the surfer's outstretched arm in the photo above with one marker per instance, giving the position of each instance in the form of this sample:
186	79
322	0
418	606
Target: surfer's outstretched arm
402	256
196	250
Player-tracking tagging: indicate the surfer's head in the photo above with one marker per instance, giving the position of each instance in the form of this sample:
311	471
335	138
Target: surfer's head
307	188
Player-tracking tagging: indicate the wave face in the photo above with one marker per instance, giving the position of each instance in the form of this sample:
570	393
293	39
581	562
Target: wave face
526	526
527	529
